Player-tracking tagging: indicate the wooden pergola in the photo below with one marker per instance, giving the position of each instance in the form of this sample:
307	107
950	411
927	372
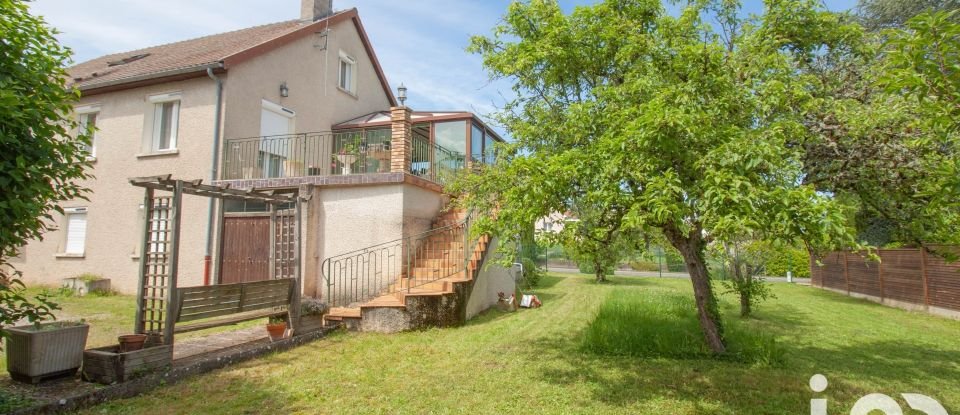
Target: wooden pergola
157	303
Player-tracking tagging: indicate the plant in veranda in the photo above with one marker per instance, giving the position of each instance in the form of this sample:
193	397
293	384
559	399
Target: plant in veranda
42	159
682	124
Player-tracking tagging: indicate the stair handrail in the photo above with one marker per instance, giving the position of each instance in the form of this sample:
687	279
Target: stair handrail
380	277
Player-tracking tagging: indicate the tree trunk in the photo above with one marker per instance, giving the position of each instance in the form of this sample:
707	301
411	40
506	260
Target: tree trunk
746	287
691	248
600	275
744	304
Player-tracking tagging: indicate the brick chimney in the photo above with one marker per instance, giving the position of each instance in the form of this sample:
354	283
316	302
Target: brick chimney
313	10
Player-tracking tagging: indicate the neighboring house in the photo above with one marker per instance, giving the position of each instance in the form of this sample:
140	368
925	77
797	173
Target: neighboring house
553	223
297	106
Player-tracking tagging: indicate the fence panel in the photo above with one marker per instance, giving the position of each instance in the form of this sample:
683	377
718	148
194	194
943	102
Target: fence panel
832	272
943	283
902	275
907	276
863	274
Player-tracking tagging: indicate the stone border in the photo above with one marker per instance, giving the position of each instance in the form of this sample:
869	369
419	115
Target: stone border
180	371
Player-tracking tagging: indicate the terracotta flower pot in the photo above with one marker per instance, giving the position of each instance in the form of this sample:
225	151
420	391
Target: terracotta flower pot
277	330
131	342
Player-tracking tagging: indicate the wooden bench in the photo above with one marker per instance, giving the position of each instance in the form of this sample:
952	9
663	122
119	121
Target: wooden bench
239	302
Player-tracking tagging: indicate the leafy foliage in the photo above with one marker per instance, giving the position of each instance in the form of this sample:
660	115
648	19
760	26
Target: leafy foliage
884	14
663	121
15	305
40	163
782	258
885	135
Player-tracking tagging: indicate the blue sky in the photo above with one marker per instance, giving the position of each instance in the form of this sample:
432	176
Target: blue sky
419	42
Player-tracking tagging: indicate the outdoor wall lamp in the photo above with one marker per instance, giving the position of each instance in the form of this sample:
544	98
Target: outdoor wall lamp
284	91
402	94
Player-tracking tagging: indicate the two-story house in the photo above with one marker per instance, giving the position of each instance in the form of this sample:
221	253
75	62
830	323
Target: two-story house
298	106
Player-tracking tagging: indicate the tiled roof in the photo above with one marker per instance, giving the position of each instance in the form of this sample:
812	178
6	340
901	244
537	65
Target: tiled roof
171	58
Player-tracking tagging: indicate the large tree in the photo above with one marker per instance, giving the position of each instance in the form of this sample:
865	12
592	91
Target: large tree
41	157
684	123
885	135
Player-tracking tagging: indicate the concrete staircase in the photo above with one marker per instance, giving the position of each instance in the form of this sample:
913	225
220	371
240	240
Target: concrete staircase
437	274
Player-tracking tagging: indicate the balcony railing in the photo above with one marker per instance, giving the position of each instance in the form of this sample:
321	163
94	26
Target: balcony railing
332	153
433	162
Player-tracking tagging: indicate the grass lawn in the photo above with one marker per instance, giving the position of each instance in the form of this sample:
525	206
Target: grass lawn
538	360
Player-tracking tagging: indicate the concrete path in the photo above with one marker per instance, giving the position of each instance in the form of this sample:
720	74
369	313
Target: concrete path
219	342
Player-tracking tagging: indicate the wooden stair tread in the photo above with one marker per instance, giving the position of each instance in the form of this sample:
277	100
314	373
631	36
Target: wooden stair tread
337	313
388	300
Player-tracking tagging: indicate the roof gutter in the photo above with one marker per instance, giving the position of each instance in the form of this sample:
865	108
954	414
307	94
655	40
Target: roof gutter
214	161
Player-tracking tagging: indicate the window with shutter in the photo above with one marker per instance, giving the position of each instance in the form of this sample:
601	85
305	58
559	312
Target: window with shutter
76	232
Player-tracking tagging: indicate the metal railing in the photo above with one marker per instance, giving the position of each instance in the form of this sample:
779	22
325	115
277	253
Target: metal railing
404	264
434	162
333	153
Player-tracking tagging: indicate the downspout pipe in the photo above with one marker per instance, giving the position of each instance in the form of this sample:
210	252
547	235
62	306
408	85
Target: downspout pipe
214	160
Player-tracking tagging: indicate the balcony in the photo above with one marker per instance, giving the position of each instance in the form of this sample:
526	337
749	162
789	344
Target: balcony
365	151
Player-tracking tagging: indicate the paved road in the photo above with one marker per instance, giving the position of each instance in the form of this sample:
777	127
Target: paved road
683	275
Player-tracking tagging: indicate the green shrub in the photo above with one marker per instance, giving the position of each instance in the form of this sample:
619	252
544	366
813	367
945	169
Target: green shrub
531	273
779	260
89	277
664	324
587	268
642	265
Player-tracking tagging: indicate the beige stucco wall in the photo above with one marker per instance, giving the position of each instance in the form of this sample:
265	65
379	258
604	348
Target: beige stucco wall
113	217
492	279
311	74
345	219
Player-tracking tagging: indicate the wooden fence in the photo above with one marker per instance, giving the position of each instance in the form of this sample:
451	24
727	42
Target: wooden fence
906	278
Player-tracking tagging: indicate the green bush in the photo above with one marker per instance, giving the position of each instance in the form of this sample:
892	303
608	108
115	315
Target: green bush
642	265
531	273
779	260
587	268
664	324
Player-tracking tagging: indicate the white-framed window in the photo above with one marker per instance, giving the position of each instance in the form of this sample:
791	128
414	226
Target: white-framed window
347	73
164	122
87	117
76	225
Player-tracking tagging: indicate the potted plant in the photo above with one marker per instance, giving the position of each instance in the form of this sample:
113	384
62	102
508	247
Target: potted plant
38	350
276	327
311	314
347	155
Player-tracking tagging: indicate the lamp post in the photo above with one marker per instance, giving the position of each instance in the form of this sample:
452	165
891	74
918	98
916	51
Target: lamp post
402	94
